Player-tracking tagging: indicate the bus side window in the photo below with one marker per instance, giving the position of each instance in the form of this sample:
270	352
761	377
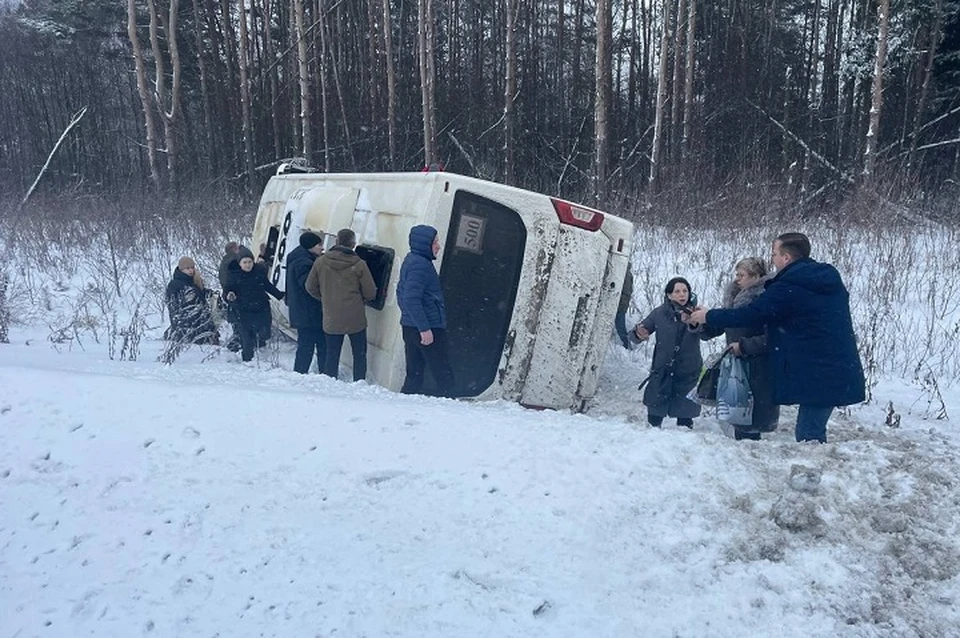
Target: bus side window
380	261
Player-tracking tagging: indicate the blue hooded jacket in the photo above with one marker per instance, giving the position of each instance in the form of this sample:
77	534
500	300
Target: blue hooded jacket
304	310
811	344
419	294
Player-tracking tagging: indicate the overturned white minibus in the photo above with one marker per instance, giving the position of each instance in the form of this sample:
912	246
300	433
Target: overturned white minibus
531	282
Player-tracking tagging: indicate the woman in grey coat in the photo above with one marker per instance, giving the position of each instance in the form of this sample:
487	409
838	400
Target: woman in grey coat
676	357
750	344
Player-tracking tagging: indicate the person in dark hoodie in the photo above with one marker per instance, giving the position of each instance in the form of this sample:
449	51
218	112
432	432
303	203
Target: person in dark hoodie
247	288
187	303
342	281
306	313
229	256
812	346
423	315
750	345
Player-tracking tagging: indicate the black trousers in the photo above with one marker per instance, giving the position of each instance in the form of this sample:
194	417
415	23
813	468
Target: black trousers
310	341
419	356
358	344
254	332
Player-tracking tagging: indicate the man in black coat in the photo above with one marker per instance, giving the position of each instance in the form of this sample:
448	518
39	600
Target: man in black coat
306	313
813	350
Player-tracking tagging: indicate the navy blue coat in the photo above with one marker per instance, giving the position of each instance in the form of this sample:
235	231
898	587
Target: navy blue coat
812	348
304	310
419	294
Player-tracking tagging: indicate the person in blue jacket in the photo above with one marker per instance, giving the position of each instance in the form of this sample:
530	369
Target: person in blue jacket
306	313
423	317
811	344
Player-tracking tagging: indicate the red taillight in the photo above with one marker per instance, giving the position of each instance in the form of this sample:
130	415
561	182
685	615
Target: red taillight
579	216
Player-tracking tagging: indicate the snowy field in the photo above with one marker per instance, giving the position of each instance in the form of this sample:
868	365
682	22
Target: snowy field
209	499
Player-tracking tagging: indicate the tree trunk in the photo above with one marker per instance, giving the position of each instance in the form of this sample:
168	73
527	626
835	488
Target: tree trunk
688	80
304	81
509	92
936	31
391	85
425	38
880	62
604	18
210	152
144	93
245	109
676	99
170	117
661	96
325	108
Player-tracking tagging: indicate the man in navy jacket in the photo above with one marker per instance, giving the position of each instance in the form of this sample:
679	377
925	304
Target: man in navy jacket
423	316
813	349
306	313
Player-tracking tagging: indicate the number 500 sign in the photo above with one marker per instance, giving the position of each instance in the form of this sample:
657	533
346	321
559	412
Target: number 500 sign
470	233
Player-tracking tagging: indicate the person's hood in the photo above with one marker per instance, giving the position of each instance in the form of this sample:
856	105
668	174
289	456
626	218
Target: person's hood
243	252
816	277
341	258
421	240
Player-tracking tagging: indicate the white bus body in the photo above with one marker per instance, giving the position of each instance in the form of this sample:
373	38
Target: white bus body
531	283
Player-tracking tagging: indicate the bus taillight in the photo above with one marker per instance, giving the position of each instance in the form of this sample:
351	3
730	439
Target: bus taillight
578	216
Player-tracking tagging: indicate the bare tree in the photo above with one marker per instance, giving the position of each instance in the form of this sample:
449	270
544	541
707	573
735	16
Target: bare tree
391	84
604	17
245	99
688	80
427	79
304	81
144	93
167	105
661	96
880	62
509	92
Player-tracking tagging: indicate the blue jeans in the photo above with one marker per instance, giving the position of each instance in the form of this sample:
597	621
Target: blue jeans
812	423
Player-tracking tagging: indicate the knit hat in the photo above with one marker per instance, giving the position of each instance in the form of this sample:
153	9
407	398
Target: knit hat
244	252
308	240
186	262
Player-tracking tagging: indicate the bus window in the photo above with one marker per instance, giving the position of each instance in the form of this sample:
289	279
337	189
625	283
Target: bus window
380	261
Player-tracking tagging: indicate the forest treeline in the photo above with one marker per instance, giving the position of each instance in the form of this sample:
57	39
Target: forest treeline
594	100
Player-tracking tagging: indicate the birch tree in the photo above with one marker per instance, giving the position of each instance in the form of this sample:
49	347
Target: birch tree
876	104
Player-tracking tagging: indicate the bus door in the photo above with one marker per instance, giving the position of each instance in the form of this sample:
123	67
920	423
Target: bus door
480	271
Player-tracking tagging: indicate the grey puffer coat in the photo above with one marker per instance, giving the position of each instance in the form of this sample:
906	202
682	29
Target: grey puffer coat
666	390
753	349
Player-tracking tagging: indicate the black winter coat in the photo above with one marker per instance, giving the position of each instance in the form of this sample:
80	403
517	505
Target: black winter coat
813	351
304	310
753	350
251	289
666	391
190	318
224	272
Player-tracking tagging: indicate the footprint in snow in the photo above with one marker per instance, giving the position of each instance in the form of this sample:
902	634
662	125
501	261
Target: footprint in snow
191	432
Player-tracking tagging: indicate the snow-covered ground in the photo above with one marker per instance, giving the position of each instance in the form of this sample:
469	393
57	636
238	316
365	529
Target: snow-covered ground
208	498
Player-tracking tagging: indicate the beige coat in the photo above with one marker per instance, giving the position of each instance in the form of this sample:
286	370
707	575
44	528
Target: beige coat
342	282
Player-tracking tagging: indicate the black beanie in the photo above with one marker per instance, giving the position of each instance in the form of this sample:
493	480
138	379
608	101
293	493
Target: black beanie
308	240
